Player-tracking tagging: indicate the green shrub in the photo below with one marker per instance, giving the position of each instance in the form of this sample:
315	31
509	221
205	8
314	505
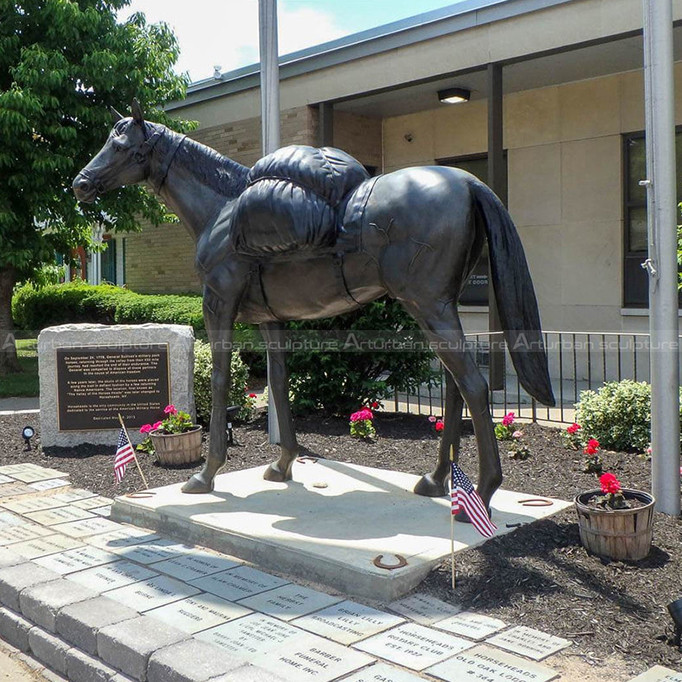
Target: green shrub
36	308
618	415
339	382
203	366
336	381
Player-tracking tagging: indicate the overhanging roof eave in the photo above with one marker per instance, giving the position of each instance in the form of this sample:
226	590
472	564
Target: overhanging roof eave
392	36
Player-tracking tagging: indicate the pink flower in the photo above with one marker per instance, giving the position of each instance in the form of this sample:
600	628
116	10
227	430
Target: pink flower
146	428
508	419
157	425
517	434
361	415
439	426
171	409
432	419
573	428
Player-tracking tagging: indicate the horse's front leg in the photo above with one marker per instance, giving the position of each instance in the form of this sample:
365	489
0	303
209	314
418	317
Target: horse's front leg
219	316
279	385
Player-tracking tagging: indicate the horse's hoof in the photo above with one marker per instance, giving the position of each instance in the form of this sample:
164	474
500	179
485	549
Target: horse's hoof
429	487
276	475
198	484
463	517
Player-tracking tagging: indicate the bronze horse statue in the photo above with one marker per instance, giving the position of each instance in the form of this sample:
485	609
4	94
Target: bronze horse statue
307	234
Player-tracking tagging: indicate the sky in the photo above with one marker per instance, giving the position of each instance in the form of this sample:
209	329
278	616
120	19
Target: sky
225	32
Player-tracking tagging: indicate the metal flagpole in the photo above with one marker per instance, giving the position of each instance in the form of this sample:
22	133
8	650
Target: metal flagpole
270	127
139	468
661	264
452	523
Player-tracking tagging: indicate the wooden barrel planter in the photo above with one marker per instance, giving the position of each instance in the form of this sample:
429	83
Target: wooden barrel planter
176	449
620	534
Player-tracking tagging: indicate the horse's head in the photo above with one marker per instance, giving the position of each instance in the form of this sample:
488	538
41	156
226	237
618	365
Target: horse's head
124	159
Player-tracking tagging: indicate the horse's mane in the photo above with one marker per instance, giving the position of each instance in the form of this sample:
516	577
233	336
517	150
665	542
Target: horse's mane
220	173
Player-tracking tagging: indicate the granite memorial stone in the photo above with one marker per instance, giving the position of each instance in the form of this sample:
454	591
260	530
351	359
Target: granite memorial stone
414	646
89	373
237	583
201	612
485	664
529	642
348	622
289	601
253	636
381	672
149	594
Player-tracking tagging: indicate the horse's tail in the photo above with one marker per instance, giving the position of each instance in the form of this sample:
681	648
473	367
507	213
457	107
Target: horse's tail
516	302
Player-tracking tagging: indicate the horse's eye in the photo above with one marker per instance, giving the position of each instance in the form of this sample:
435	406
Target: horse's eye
119	144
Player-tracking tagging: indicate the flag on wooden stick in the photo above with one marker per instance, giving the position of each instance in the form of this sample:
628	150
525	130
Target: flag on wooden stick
124	455
464	497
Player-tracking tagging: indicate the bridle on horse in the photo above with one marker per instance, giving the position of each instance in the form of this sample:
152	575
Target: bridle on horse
158	177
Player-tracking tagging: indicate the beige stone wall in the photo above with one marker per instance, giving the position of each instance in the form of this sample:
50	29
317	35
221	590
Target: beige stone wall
548	29
161	259
360	136
565	186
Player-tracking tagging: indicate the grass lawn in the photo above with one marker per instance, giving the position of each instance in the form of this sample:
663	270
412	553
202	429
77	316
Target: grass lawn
26	383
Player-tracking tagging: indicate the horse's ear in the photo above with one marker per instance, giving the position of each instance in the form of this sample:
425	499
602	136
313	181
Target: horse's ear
115	115
137	111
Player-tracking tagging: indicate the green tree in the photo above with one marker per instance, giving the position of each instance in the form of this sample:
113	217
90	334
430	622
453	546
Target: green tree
62	64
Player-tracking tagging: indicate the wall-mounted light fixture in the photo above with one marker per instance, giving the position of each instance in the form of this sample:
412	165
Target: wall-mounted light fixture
454	95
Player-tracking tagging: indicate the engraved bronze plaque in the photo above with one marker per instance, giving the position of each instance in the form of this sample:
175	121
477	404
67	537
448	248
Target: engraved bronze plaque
96	383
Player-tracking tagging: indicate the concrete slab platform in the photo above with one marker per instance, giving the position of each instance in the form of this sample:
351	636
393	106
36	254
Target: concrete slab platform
327	525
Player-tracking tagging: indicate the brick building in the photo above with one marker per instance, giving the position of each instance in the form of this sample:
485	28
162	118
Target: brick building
565	78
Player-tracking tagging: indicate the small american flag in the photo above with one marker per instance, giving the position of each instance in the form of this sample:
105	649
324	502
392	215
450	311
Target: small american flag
463	496
124	455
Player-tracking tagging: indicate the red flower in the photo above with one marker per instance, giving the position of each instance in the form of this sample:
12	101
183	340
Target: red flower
252	395
609	484
439	425
375	405
573	428
591	447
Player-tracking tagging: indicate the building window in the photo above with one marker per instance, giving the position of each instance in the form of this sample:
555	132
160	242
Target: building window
476	291
108	262
635	278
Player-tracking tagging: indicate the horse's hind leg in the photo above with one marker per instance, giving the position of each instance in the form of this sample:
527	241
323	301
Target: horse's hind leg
279	385
442	326
435	484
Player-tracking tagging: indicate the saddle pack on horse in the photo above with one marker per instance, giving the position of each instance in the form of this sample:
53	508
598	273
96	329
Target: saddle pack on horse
294	200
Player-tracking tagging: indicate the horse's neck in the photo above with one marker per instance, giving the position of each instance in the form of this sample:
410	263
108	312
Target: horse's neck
199	183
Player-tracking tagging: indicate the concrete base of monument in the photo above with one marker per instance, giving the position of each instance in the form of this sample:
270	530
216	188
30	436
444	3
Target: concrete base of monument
328	525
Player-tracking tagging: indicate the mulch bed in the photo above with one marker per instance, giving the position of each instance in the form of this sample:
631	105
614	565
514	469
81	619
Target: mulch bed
538	575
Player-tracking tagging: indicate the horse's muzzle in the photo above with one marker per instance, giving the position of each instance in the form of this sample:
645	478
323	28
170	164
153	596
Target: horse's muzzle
84	189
